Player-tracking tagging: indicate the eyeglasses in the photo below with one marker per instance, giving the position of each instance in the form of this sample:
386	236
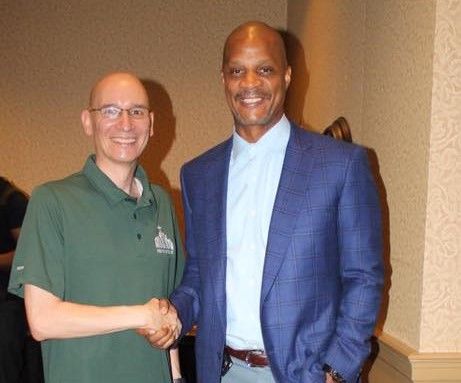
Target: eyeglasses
113	112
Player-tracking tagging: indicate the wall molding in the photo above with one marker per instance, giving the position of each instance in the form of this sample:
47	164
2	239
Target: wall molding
398	363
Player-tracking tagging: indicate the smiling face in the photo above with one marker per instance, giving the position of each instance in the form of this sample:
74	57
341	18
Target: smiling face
120	141
255	76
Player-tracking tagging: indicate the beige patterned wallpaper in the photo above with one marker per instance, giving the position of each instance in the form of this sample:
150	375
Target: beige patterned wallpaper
441	304
53	51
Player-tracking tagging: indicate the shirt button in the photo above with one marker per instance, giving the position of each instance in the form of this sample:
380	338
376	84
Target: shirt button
253	213
135	216
139	236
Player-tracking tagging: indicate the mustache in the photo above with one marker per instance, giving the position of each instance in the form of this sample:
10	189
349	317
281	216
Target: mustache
252	94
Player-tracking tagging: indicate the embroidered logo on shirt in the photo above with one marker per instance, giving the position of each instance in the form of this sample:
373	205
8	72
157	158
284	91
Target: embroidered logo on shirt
163	244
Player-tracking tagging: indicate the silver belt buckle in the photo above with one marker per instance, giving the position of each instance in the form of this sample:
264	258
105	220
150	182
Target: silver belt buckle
252	352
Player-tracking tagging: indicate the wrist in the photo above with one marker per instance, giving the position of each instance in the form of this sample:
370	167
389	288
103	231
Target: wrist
130	316
333	374
146	315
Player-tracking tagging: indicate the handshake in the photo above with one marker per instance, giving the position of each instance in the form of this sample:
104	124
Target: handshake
163	325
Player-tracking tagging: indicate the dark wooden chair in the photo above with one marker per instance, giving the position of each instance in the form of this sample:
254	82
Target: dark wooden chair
339	129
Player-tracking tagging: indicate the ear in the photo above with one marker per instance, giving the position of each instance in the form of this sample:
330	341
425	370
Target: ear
87	122
151	118
287	77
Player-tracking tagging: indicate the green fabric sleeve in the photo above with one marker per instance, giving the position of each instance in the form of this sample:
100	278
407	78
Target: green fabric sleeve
39	255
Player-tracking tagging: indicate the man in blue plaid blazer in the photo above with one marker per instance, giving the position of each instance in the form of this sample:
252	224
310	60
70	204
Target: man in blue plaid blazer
283	237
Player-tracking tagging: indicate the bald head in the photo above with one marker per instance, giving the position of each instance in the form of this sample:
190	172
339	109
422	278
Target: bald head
115	84
255	32
256	76
119	121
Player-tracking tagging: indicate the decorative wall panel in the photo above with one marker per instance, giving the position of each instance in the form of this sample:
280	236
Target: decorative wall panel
441	304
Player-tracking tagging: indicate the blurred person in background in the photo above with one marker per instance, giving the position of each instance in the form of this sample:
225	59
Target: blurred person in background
20	359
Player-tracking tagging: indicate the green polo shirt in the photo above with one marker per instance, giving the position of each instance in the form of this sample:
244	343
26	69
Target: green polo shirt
87	241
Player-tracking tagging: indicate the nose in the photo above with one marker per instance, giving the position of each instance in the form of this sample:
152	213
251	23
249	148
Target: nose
251	79
125	120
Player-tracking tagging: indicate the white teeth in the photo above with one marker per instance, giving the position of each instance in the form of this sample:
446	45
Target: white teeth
251	100
124	140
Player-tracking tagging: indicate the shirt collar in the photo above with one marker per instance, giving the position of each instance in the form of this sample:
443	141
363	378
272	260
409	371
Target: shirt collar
276	138
111	192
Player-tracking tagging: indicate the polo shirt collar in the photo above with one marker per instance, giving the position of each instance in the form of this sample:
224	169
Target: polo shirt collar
112	192
274	139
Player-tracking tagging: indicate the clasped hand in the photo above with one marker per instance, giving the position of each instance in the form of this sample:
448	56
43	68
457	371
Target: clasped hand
163	326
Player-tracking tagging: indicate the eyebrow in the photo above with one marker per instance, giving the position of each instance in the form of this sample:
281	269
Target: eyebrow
263	61
118	106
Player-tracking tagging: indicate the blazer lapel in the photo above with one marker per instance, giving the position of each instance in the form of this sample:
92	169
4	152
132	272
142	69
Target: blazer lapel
216	200
290	194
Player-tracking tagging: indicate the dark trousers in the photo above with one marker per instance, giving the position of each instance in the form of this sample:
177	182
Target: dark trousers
20	356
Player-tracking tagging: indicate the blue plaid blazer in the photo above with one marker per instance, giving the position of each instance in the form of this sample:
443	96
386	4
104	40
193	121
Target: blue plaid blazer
323	269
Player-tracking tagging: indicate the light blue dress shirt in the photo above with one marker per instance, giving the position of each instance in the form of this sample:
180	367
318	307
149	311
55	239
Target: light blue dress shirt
254	174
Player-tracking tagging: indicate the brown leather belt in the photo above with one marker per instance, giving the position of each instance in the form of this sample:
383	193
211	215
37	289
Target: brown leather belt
253	358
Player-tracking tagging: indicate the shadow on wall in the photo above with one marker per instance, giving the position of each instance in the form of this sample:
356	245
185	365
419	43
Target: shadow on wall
161	142
340	129
296	94
374	165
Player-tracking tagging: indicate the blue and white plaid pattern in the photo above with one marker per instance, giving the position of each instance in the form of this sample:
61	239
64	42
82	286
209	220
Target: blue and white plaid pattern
323	270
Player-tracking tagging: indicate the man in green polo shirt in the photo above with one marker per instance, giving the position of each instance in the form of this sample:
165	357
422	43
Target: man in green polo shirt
96	250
